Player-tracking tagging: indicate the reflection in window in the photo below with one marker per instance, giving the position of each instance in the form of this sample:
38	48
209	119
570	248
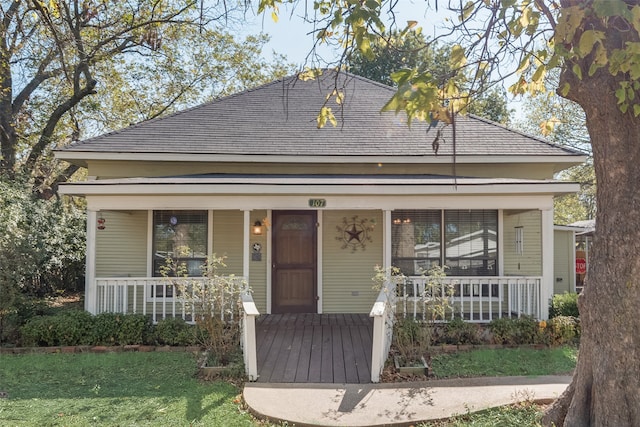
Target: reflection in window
181	236
416	240
469	241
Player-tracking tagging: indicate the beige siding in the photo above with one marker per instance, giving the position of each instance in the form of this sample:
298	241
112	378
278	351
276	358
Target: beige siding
563	267
529	263
120	169
228	234
258	268
121	248
346	275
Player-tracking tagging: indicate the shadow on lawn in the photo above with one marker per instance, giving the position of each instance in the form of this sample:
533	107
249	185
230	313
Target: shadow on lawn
115	379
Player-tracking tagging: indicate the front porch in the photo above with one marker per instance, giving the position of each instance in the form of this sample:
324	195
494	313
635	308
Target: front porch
329	348
314	348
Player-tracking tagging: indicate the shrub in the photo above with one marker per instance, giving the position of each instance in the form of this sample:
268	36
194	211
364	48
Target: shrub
74	327
411	338
121	329
564	305
214	302
174	331
458	331
514	331
563	330
39	331
134	329
67	328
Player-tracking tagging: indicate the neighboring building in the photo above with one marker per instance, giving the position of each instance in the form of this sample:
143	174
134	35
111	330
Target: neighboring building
305	213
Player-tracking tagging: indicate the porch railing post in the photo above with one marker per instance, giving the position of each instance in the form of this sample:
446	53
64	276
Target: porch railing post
383	318
249	344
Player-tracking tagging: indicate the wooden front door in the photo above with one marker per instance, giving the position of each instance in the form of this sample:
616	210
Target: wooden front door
294	275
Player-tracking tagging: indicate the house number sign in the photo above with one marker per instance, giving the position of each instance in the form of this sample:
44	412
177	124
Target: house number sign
317	203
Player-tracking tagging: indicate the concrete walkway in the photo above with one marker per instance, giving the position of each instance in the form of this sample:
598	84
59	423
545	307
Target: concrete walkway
393	404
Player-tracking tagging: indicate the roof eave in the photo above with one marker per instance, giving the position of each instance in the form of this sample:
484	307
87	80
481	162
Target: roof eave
82	157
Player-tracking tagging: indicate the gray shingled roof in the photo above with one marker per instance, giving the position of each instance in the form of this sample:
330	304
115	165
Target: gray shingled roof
280	119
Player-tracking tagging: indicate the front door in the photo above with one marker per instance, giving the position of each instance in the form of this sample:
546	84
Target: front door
294	262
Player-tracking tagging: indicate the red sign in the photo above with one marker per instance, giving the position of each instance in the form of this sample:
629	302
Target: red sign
581	265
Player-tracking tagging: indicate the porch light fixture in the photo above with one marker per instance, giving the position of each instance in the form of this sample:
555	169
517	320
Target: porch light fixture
257	228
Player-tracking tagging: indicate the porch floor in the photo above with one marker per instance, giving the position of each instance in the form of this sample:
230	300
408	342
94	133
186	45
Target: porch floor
314	348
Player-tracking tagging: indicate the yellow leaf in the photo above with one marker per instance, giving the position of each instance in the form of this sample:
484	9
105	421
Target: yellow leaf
274	16
457	58
636	110
577	71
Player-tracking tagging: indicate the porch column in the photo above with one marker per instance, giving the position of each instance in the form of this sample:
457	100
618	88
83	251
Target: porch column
90	291
246	250
386	241
546	291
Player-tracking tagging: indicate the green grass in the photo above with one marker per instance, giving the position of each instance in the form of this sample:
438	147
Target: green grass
505	362
113	389
527	415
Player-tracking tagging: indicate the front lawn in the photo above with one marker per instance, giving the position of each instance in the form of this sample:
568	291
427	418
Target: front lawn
506	362
113	389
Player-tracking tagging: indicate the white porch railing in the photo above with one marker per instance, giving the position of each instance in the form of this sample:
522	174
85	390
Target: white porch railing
158	298
383	314
475	299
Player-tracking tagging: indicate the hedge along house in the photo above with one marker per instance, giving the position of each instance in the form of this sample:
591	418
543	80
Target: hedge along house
304	214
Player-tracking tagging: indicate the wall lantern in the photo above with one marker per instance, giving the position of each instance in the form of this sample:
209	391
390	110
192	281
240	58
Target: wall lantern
257	228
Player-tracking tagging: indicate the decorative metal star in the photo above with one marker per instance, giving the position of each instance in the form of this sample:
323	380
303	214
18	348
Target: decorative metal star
354	234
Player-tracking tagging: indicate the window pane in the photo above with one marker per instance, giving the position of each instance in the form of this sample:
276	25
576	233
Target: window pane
415	240
182	236
471	243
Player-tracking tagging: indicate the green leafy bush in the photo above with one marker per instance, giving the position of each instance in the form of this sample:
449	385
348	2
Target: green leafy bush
514	331
39	331
121	329
565	304
174	331
563	330
458	331
73	327
134	329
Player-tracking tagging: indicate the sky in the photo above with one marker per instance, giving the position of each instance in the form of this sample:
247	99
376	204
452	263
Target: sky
291	36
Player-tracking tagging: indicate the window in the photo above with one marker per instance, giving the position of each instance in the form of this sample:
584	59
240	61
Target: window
468	245
181	236
471	243
416	240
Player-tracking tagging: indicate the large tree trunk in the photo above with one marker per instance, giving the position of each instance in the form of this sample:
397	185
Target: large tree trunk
606	386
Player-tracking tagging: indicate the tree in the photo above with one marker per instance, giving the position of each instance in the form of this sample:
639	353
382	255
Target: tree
70	69
595	45
394	51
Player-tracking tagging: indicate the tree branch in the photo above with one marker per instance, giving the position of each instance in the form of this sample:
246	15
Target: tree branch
47	132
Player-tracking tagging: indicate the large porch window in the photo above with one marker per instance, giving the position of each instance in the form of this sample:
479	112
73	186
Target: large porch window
463	240
181	236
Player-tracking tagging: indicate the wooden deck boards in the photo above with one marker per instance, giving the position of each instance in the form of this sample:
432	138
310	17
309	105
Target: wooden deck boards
314	348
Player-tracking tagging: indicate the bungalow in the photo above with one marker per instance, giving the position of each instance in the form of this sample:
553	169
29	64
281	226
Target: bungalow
304	214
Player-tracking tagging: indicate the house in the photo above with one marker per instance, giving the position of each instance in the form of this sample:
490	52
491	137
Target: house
304	214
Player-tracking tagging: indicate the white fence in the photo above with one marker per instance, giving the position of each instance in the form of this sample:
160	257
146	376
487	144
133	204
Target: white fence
474	299
159	298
